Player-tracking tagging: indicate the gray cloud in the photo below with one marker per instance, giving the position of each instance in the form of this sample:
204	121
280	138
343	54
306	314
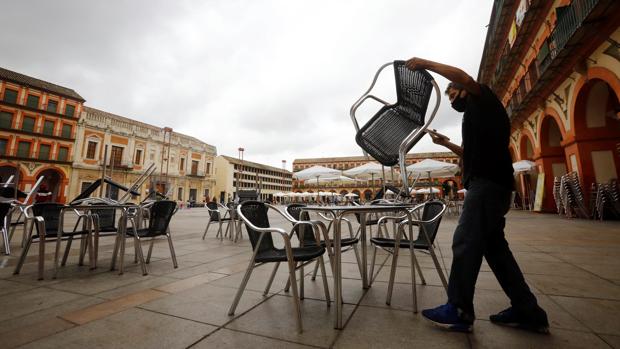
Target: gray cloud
277	77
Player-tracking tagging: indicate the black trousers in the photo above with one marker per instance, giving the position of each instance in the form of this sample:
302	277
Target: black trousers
480	232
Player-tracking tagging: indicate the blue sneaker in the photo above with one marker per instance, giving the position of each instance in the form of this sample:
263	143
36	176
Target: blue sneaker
447	316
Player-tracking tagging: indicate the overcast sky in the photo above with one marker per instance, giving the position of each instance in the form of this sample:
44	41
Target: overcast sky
275	77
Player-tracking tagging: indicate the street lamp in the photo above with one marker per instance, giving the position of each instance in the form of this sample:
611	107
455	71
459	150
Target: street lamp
240	149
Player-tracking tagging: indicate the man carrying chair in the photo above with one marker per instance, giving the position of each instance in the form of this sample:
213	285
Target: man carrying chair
488	176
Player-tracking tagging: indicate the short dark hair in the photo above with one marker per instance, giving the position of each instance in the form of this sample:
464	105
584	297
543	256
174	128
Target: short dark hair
454	85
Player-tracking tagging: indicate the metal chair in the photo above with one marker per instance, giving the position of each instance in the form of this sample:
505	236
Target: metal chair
5	210
428	226
216	216
303	234
160	215
47	218
254	215
396	128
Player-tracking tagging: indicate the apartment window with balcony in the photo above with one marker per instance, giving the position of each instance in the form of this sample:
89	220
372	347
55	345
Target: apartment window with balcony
28	124
116	156
10	96
48	128
23	149
208	168
182	164
194	167
91	150
66	131
52	106
180	194
138	159
69	110
32	101
3	144
63	154
44	152
6	119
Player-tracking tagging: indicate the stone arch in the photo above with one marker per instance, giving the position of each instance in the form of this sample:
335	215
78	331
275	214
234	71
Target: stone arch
344	192
367	194
55	182
526	145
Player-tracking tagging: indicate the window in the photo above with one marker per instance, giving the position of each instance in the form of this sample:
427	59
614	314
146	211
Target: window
3	145
23	149
48	128
44	152
208	168
10	96
194	167
180	194
182	164
138	158
152	155
69	110
63	154
28	124
52	106
116	156
66	131
6	119
32	101
91	149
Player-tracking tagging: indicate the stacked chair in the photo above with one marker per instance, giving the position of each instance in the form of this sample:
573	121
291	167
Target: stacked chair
571	196
606	201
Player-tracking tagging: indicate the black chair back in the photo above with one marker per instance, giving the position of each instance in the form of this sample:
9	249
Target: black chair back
383	134
214	212
430	210
50	211
107	218
301	230
5	207
160	214
256	213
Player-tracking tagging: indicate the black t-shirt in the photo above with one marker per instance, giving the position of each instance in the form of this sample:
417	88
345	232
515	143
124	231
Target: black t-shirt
486	133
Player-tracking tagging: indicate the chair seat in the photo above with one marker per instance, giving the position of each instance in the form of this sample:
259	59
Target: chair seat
52	234
385	242
300	254
144	232
222	219
343	242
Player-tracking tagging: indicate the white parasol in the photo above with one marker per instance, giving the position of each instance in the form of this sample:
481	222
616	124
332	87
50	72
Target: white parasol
524	166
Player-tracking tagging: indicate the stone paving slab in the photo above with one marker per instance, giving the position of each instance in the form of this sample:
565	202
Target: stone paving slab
574	271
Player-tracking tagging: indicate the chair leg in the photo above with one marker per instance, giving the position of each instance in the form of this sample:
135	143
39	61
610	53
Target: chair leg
302	277
5	239
321	262
219	231
207	228
66	254
372	265
273	274
244	282
121	269
417	266
438	267
388	300
296	299
148	254
138	246
316	270
172	253
359	261
413	282
82	252
22	258
115	251
41	254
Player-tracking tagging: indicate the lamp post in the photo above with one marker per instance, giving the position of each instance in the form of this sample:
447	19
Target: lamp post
240	149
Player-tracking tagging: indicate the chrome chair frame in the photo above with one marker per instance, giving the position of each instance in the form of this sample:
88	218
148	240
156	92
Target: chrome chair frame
292	265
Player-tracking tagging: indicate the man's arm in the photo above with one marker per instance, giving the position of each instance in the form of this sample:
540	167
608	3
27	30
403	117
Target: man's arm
442	140
449	72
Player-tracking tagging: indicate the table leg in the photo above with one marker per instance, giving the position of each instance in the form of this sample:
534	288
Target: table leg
364	251
338	272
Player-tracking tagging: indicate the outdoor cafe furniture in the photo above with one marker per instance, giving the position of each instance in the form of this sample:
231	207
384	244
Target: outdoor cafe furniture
46	225
216	216
335	244
160	214
5	211
254	215
20	200
428	226
303	233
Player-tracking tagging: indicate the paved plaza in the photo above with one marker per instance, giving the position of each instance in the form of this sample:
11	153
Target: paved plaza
573	266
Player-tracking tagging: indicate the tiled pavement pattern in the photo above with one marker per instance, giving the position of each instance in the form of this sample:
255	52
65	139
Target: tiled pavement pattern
572	265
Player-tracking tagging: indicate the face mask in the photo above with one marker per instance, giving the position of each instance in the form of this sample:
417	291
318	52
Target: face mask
459	103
